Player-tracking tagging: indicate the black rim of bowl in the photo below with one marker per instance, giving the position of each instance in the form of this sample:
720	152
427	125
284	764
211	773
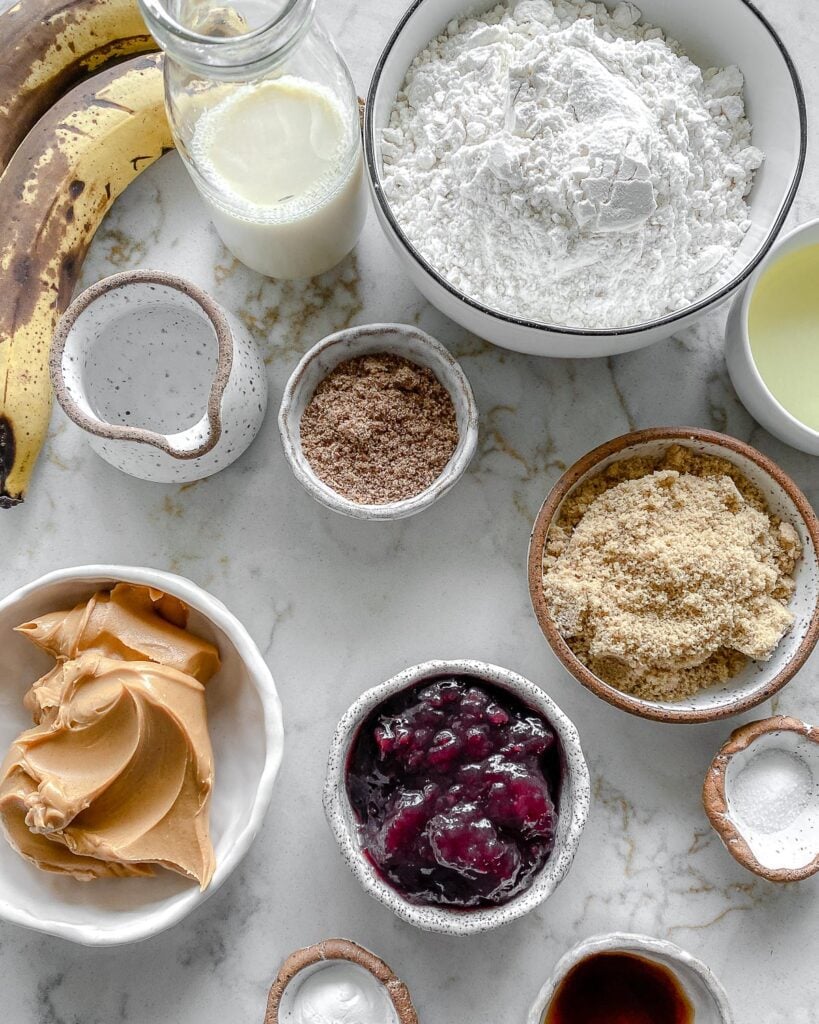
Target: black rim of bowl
671	318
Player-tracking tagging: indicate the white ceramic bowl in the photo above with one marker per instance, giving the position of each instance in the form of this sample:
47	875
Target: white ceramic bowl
746	378
245	723
712	32
400	340
706	994
116	348
572	814
758	681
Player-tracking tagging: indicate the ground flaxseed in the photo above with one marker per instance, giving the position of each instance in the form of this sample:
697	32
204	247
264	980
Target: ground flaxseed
666	574
379	429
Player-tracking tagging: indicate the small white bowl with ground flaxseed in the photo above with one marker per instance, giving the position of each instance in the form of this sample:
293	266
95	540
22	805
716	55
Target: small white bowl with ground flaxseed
378	421
674	572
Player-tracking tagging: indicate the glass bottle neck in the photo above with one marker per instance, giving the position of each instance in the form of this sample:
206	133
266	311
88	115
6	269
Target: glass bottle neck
235	42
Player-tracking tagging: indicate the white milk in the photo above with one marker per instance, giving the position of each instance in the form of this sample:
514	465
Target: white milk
287	167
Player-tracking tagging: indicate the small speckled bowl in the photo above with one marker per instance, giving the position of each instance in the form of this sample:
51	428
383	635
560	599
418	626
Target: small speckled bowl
768	819
400	340
166	384
706	994
573	801
323	956
758	681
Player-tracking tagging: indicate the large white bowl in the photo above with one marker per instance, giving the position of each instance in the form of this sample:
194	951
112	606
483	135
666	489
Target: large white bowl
245	720
573	801
713	33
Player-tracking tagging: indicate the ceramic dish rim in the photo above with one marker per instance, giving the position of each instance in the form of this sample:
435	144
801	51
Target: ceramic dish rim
627	702
715	798
142	435
450	374
339	813
211	608
628	942
371	151
770	260
335	950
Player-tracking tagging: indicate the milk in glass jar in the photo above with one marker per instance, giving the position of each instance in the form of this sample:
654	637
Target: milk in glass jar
266	119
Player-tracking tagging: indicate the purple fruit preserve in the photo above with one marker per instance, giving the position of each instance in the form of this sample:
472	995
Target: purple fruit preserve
455	787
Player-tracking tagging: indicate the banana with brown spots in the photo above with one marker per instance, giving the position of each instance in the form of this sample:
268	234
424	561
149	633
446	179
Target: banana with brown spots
48	46
55	191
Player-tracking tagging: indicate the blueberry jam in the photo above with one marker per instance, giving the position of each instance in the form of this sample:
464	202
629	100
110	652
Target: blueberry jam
454	784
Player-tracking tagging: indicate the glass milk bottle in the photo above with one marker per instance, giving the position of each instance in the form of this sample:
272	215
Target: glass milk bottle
265	117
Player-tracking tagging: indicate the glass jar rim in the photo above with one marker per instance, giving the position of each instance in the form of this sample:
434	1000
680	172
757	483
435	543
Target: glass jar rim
264	45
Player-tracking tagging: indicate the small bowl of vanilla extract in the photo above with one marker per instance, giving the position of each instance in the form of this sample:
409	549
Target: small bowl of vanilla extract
632	979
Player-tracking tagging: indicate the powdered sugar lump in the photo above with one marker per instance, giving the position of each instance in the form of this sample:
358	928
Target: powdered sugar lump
568	164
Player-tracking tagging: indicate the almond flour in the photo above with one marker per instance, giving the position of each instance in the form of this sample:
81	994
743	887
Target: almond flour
666	575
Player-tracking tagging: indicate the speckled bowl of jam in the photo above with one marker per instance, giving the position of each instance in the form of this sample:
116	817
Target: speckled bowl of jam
457	792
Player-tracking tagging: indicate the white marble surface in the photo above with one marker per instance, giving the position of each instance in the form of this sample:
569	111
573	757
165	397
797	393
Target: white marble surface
338	605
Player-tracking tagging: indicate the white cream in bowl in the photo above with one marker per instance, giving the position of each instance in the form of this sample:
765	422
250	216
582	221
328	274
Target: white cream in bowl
338	982
336	992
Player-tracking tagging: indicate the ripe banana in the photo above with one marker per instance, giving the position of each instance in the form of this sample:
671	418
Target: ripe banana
47	46
53	195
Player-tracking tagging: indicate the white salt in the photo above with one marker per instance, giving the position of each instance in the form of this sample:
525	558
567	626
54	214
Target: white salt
772	790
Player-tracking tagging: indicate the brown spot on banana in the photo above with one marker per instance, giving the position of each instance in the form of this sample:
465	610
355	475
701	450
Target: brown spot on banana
58	187
48	46
7	447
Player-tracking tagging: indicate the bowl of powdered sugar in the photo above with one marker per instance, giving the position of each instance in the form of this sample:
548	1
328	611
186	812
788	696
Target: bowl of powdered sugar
578	179
674	572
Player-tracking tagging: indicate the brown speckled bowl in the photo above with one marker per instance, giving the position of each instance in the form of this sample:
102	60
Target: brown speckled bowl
758	681
785	849
325	953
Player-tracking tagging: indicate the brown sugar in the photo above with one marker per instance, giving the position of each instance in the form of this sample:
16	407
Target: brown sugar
379	429
666	574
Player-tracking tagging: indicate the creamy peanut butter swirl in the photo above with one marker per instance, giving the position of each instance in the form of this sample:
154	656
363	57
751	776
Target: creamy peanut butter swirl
116	776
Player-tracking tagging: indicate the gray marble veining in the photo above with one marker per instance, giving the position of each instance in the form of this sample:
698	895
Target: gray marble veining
338	605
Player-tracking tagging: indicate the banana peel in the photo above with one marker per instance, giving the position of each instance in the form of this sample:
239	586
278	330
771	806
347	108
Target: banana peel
54	193
48	46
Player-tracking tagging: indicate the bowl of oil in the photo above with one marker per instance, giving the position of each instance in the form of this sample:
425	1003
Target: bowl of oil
621	977
772	340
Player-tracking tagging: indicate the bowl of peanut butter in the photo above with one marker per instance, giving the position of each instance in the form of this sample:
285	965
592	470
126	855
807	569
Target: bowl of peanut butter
141	737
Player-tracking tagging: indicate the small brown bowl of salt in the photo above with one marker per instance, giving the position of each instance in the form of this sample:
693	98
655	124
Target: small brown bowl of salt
674	572
378	421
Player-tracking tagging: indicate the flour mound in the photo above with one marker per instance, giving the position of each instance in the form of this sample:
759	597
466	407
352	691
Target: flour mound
567	164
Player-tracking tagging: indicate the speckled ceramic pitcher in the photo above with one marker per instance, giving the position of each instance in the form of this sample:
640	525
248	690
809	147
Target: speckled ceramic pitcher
167	385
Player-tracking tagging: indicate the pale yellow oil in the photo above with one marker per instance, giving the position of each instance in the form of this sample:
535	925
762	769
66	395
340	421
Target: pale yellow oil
783	328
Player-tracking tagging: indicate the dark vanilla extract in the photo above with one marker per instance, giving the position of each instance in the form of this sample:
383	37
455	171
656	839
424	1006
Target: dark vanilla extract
619	988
